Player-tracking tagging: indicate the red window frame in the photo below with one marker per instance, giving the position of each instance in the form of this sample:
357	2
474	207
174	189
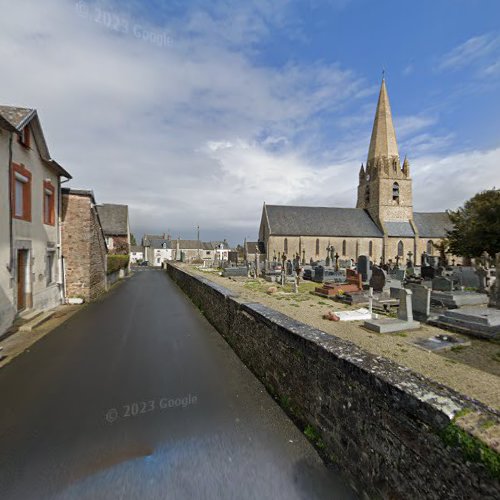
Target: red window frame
51	219
25	137
22	170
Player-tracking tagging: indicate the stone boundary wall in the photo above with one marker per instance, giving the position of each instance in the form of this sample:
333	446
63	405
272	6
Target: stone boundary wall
392	432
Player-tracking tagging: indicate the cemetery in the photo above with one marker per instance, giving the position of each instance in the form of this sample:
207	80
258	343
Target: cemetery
404	312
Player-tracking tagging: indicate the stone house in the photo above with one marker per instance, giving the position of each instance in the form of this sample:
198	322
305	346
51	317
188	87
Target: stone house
115	223
146	243
383	225
84	248
30	186
161	250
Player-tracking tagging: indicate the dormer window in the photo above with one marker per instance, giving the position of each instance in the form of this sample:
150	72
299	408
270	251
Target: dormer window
395	192
24	138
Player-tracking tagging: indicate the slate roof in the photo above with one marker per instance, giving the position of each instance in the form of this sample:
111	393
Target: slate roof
159	242
136	248
320	221
253	247
401	229
16	117
432	224
114	219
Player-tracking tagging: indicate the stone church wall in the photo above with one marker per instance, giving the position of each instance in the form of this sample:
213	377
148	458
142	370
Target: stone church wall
354	246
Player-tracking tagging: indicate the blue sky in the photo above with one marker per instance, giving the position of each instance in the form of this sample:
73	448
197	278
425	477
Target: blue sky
255	101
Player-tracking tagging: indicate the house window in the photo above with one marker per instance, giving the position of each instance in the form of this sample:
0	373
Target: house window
317	246
49	203
401	249
285	246
344	247
50	267
395	192
430	247
370	248
24	138
21	194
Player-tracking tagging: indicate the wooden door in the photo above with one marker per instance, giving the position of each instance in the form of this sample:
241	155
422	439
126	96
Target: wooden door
21	279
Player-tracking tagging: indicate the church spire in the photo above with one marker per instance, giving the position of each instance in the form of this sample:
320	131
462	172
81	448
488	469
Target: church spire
383	140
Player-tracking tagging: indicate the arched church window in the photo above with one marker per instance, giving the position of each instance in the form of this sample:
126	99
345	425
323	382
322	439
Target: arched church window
285	246
395	191
344	247
430	247
370	248
401	249
317	246
367	194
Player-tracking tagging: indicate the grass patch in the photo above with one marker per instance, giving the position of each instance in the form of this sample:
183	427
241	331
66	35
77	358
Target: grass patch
313	435
457	348
402	334
471	448
496	357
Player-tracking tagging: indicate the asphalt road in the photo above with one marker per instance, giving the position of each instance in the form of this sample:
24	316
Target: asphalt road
137	396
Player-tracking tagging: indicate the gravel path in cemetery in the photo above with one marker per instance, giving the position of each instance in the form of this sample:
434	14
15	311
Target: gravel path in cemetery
473	371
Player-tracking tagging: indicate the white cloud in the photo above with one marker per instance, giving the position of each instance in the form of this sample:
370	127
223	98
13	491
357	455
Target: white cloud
472	51
195	132
446	182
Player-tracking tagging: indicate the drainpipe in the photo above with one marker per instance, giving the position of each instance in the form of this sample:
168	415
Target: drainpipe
11	211
62	269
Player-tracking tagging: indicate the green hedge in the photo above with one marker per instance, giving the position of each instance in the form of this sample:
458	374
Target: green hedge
117	262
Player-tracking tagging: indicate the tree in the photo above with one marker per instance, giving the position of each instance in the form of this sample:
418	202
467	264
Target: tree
132	240
476	226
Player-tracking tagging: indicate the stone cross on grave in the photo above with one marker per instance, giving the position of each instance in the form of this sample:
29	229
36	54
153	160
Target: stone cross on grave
397	260
370	301
303	257
410	263
337	256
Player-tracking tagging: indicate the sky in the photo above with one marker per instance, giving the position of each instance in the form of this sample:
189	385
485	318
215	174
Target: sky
197	112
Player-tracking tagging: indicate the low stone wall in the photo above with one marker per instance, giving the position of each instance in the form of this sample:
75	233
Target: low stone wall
395	434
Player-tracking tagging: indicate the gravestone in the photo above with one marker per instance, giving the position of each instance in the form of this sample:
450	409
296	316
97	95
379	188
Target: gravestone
364	267
404	320
378	279
421	301
483	322
495	289
428	272
405	309
466	276
442	284
235	271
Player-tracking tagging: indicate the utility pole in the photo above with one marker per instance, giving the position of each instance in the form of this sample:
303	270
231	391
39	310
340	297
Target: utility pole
198	228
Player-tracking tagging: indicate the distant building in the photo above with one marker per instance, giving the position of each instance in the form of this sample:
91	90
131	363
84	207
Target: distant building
146	243
161	250
115	223
30	180
83	246
136	254
383	225
251	249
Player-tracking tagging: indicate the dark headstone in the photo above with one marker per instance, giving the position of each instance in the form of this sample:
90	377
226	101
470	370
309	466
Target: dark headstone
442	284
364	267
378	279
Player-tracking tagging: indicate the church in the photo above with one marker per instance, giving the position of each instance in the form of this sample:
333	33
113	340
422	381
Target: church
383	225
